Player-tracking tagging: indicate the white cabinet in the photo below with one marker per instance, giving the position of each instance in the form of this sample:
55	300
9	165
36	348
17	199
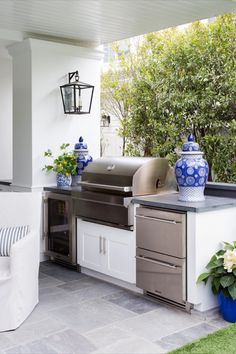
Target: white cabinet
105	249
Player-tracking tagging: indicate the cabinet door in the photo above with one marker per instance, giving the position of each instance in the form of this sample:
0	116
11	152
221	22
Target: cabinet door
120	252
89	246
108	250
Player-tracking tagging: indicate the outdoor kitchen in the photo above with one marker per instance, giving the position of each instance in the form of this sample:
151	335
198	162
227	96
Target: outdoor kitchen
129	220
118	177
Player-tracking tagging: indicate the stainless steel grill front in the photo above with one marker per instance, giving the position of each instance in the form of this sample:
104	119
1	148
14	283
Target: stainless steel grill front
108	185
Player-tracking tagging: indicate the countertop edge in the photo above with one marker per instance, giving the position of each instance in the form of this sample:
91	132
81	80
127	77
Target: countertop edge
173	206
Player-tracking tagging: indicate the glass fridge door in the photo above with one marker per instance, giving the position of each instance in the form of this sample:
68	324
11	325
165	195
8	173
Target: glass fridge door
58	226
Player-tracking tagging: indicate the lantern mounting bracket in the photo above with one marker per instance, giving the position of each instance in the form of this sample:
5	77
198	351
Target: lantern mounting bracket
74	74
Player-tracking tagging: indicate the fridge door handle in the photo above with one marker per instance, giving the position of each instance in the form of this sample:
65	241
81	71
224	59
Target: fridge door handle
156	219
157	262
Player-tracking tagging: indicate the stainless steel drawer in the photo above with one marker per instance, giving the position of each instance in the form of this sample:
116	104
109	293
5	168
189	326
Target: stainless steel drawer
161	231
161	275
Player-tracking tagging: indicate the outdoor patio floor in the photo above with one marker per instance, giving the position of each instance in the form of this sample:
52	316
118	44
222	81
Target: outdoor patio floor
81	314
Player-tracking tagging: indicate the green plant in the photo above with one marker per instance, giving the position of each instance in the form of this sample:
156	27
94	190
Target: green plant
65	163
174	82
222	271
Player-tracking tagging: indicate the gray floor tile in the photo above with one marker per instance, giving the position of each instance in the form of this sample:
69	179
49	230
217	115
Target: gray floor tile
132	301
78	311
76	285
207	315
50	291
94	291
219	322
49	265
60	273
133	345
28	332
5	341
50	302
69	341
107	335
42	275
37	315
167	346
48	282
157	324
36	347
90	315
190	334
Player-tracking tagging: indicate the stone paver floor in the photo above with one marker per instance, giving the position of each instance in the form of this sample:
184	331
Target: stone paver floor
80	314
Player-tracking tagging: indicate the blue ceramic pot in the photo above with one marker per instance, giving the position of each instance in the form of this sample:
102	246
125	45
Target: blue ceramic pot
191	172
63	181
83	156
227	307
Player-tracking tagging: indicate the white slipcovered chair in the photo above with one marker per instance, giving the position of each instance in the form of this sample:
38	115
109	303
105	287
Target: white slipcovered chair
19	270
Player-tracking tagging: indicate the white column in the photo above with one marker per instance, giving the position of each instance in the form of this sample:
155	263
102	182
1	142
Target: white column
6	115
39	122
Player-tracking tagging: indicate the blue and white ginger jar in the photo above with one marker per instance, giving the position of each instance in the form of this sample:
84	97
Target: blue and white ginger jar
84	158
191	172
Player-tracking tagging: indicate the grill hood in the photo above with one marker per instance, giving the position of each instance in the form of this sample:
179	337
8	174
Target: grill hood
138	175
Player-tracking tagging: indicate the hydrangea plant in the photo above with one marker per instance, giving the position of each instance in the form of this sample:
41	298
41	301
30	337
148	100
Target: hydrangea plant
222	271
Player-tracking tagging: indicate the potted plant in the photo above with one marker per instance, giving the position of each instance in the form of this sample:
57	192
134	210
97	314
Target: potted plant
222	272
65	165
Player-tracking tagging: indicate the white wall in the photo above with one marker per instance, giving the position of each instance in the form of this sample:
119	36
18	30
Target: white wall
22	118
6	115
44	67
205	233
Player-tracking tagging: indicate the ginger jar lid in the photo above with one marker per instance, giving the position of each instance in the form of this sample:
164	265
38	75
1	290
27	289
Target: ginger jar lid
191	146
81	146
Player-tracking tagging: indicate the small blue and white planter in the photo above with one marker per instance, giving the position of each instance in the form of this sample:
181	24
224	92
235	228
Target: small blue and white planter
191	172
63	180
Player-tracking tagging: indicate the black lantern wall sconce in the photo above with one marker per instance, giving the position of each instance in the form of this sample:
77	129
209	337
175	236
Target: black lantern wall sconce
76	96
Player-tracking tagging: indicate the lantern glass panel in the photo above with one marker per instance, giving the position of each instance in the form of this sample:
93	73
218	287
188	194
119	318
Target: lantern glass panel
68	98
85	98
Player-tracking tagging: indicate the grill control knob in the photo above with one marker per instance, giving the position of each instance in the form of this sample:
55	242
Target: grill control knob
111	167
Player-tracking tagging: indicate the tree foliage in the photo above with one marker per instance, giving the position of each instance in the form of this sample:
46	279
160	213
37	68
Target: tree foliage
183	81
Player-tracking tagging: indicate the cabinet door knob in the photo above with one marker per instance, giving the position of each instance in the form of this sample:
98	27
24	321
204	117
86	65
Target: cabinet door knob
104	245
100	244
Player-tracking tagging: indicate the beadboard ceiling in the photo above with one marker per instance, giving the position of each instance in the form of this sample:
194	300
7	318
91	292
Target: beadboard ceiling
94	22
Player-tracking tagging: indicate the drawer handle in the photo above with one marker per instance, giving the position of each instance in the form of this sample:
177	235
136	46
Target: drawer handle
100	244
157	219
157	262
104	245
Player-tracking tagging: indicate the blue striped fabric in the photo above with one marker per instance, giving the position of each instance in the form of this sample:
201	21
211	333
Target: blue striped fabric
10	235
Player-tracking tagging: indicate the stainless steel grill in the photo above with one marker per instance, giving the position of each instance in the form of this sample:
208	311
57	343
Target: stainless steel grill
108	185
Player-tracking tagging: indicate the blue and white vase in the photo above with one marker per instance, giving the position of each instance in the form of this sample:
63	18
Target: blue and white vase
191	172
84	158
63	180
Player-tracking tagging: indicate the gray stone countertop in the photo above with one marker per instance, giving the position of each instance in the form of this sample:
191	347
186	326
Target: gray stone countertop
170	201
63	190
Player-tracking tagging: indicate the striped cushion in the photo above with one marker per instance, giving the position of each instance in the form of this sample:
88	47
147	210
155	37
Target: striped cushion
10	235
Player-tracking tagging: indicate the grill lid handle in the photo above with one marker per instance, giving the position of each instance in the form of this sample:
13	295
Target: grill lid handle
106	186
